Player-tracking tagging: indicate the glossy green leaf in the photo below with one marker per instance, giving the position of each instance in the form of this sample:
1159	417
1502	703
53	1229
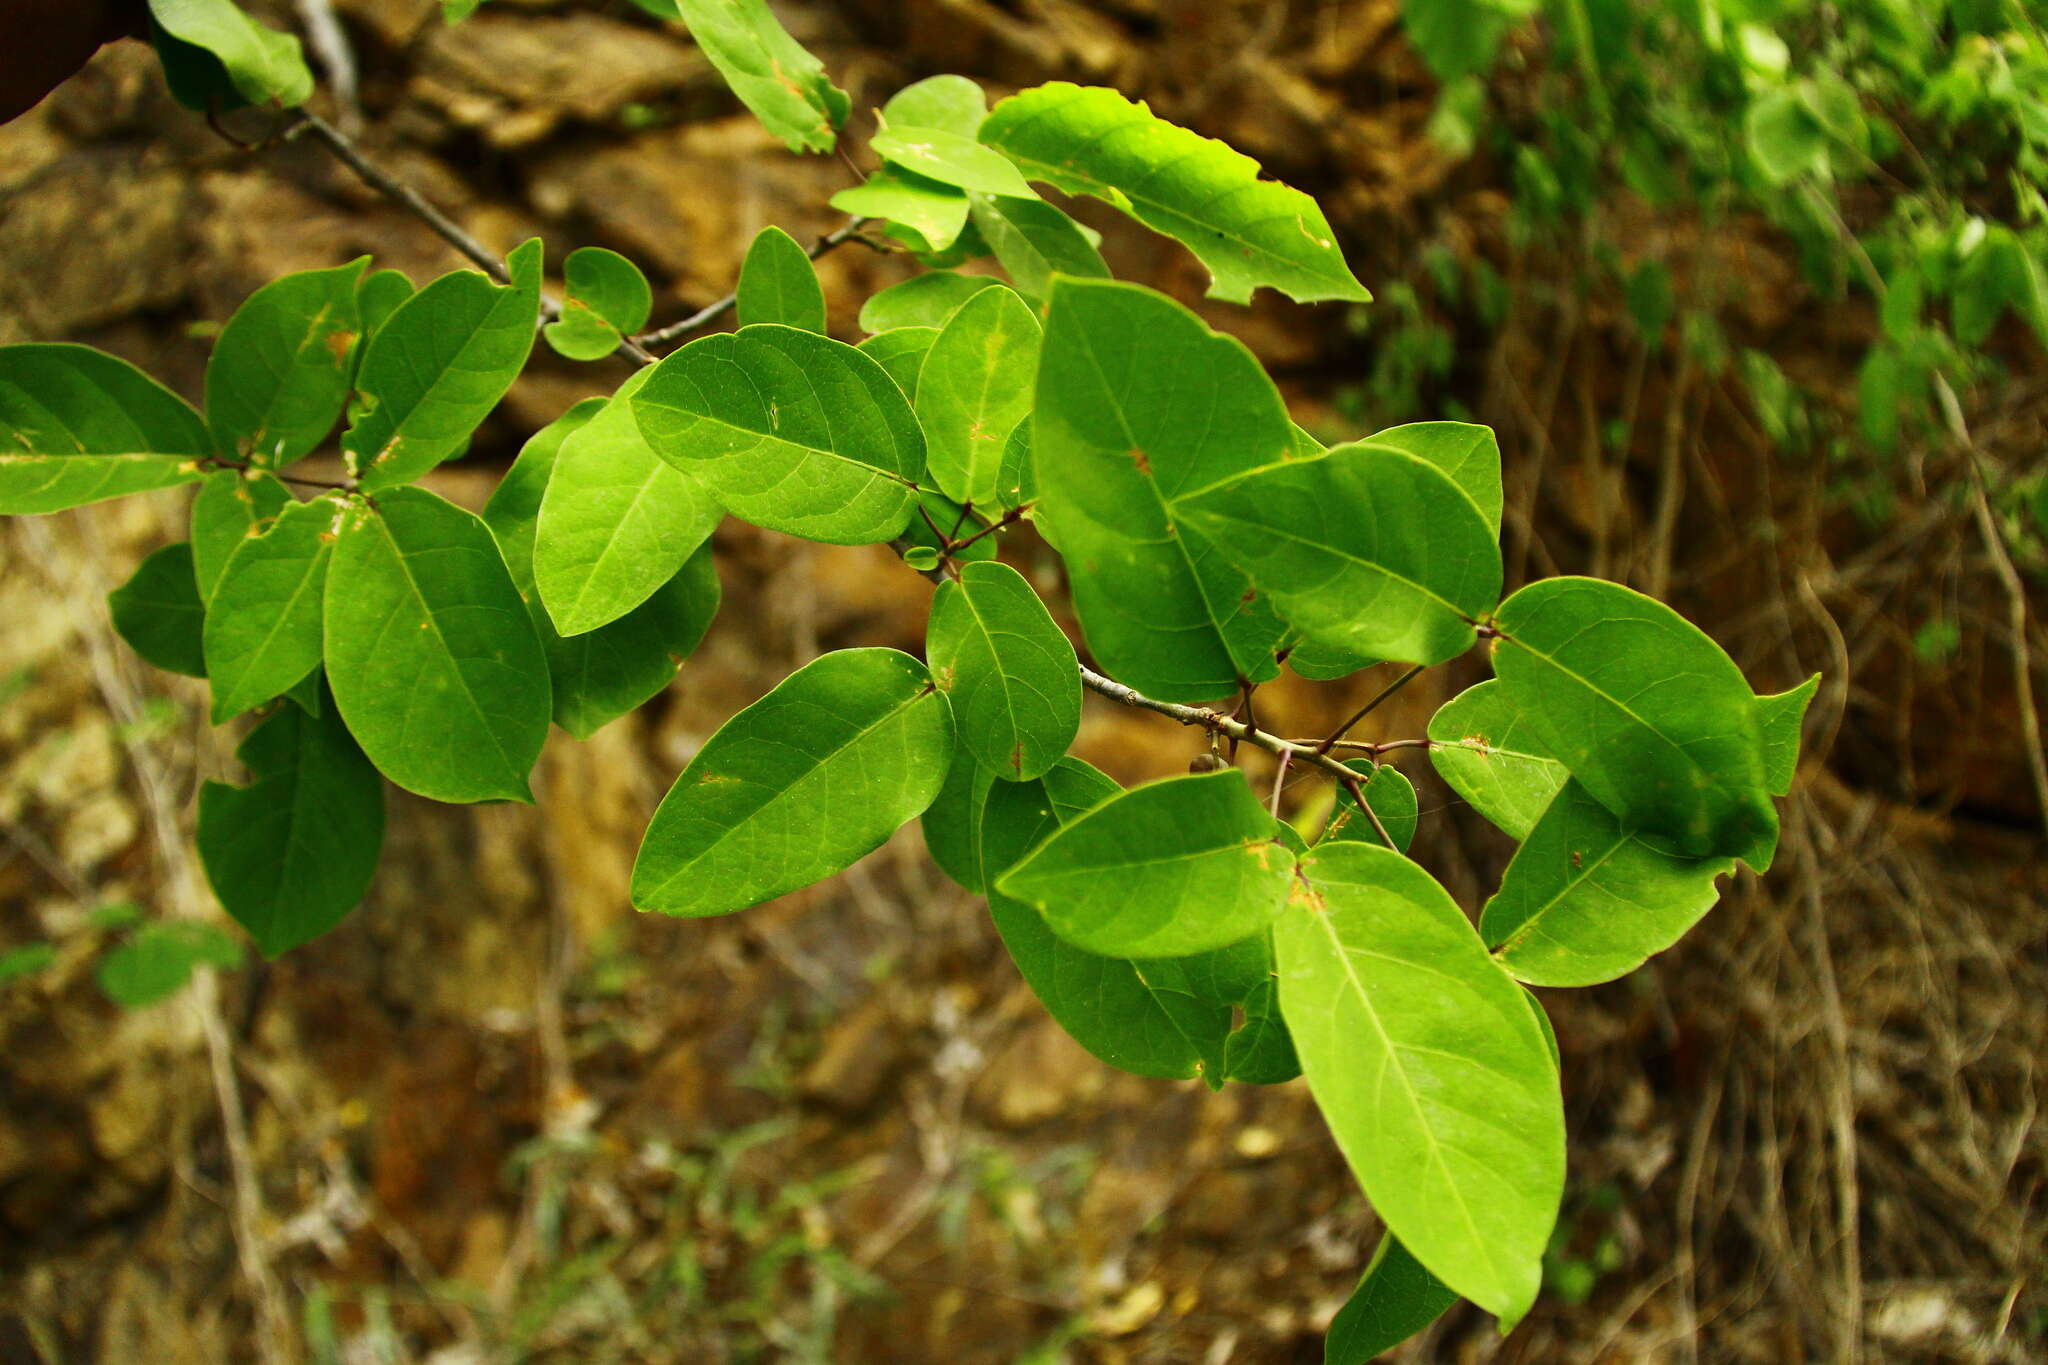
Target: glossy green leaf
1261	1051
1584	901
1008	670
1651	715
936	212
438	366
901	352
976	384
778	283
1396	1298
954	103
1494	759
925	300
1139	405
602	674
952	823
1105	1004
1326	663
265	66
1367	548
156	962
1169	869
796	787
280	371
784	85
1035	241
1429	1069
1778	719
433	659
158	611
794	431
616	522
1465	451
607	299
951	159
1389	794
291	853
1249	232
79	426
1017	481
263	625
231	507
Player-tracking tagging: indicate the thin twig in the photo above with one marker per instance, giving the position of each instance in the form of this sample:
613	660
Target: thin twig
391	187
1280	781
661	336
2015	593
1356	786
1389	690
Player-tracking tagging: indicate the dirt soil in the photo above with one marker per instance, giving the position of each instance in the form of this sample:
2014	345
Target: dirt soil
499	1117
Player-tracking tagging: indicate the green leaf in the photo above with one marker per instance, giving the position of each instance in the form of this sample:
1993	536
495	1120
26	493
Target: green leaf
1035	241
901	352
1396	1298
1493	758
934	211
292	852
1778	718
1367	548
1392	798
953	103
264	65
794	431
975	386
779	284
1326	663
952	823
798	786
922	300
951	159
608	299
438	367
279	373
263	627
1169	869
158	611
1651	715
26	961
1465	451
770	71
1429	1069
434	661
378	297
231	507
1261	1051
1458	38
1584	901
1017	481
1104	1003
602	674
1010	674
1139	405
79	426
159	959
617	521
1249	232
1784	138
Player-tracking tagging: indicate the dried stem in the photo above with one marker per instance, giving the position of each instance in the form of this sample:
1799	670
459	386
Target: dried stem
1389	690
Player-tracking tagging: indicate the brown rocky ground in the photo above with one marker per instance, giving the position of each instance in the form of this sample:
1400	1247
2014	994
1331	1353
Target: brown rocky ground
498	1117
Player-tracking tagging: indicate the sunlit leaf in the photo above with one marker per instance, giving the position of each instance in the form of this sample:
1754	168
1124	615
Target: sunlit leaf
79	426
263	626
280	370
778	283
1249	232
799	785
974	387
1009	672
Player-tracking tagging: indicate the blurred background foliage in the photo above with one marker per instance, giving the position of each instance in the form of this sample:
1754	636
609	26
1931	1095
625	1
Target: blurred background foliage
1753	292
